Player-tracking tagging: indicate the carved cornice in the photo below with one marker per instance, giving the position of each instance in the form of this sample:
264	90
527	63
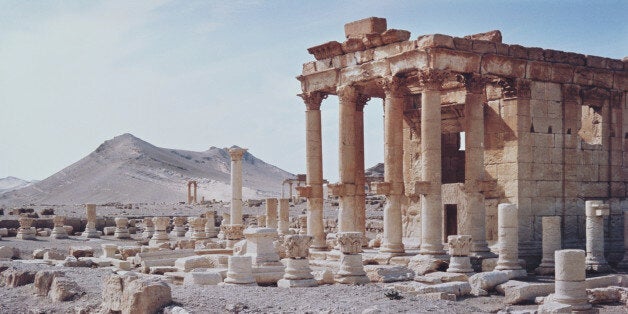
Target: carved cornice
313	100
515	88
431	79
474	84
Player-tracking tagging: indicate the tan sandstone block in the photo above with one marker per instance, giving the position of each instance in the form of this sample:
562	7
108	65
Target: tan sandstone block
500	65
365	26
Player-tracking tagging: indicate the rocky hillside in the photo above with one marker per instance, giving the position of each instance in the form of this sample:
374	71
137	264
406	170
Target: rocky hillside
128	169
12	183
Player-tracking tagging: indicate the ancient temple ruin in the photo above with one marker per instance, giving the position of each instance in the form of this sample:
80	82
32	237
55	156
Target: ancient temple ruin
543	129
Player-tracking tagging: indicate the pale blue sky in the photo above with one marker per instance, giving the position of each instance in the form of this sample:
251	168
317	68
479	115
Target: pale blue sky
195	74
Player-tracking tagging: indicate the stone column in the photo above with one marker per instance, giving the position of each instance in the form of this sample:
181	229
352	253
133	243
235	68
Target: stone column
189	192
90	228
360	180
348	97
58	232
240	271
284	216
149	228
314	168
459	248
475	220
298	272
271	213
551	243
122	231
624	262
161	225
210	226
570	287
302	224
393	186
179	229
431	171
195	189
508	237
595	213
351	269
197	225
236	184
25	232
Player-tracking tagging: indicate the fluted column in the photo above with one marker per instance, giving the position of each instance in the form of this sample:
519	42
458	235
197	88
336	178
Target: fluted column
474	163
236	184
394	102
431	171
314	169
347	152
360	181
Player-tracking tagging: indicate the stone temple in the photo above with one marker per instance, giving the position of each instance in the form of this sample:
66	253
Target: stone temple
470	123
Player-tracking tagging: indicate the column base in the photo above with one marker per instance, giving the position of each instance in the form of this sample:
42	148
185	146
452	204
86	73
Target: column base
296	283
624	262
392	248
508	265
597	265
91	233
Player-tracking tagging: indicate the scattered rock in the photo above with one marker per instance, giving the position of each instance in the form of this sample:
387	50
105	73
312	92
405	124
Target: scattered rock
482	283
43	280
7	252
145	295
54	255
39	253
16	277
71	261
324	277
63	289
81	251
608	295
377	273
457	288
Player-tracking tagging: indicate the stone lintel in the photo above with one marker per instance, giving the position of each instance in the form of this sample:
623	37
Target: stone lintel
327	50
304	191
382	188
365	26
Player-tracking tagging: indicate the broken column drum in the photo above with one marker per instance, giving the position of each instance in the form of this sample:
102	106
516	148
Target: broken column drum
298	272
570	286
210	227
179	229
90	227
149	228
25	232
58	231
508	237
271	213
122	230
284	216
595	212
459	248
551	243
160	235
240	271
351	269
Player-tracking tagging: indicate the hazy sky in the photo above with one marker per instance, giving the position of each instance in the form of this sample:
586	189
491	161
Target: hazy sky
195	74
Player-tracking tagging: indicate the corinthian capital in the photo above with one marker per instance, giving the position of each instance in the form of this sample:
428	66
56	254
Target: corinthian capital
313	100
361	102
393	86
432	79
474	84
347	93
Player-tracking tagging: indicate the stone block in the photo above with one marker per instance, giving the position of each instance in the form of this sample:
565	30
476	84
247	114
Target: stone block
189	263
457	288
395	35
435	41
63	289
202	277
353	45
494	36
482	283
457	61
481	46
327	50
501	65
365	26
17	277
407	61
377	273
81	251
517	292
43	281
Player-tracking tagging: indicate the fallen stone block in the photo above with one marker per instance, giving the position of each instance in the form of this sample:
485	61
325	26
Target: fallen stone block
63	289
129	251
108	231
54	255
457	288
112	291
4	232
17	277
145	295
488	264
120	264
516	292
7	252
554	307
482	283
39	253
81	251
191	262
603	281
377	273
448	277
608	295
422	264
71	261
43	280
324	277
202	277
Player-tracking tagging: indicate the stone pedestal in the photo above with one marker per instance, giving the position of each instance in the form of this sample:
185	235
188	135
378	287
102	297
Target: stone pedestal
25	232
351	269
232	234
624	262
122	230
284	216
267	269
595	212
236	154
210	227
59	232
459	248
160	235
149	228
240	271
551	243
179	226
197	228
570	287
508	237
271	213
109	250
90	227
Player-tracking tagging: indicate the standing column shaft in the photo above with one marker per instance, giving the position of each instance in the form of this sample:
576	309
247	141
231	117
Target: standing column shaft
474	164
271	213
624	262
360	194
347	152
393	165
284	216
595	212
551	243
236	184
431	202
195	187
314	168
570	285
508	236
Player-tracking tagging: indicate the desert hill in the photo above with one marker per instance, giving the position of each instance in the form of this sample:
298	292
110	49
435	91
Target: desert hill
128	169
